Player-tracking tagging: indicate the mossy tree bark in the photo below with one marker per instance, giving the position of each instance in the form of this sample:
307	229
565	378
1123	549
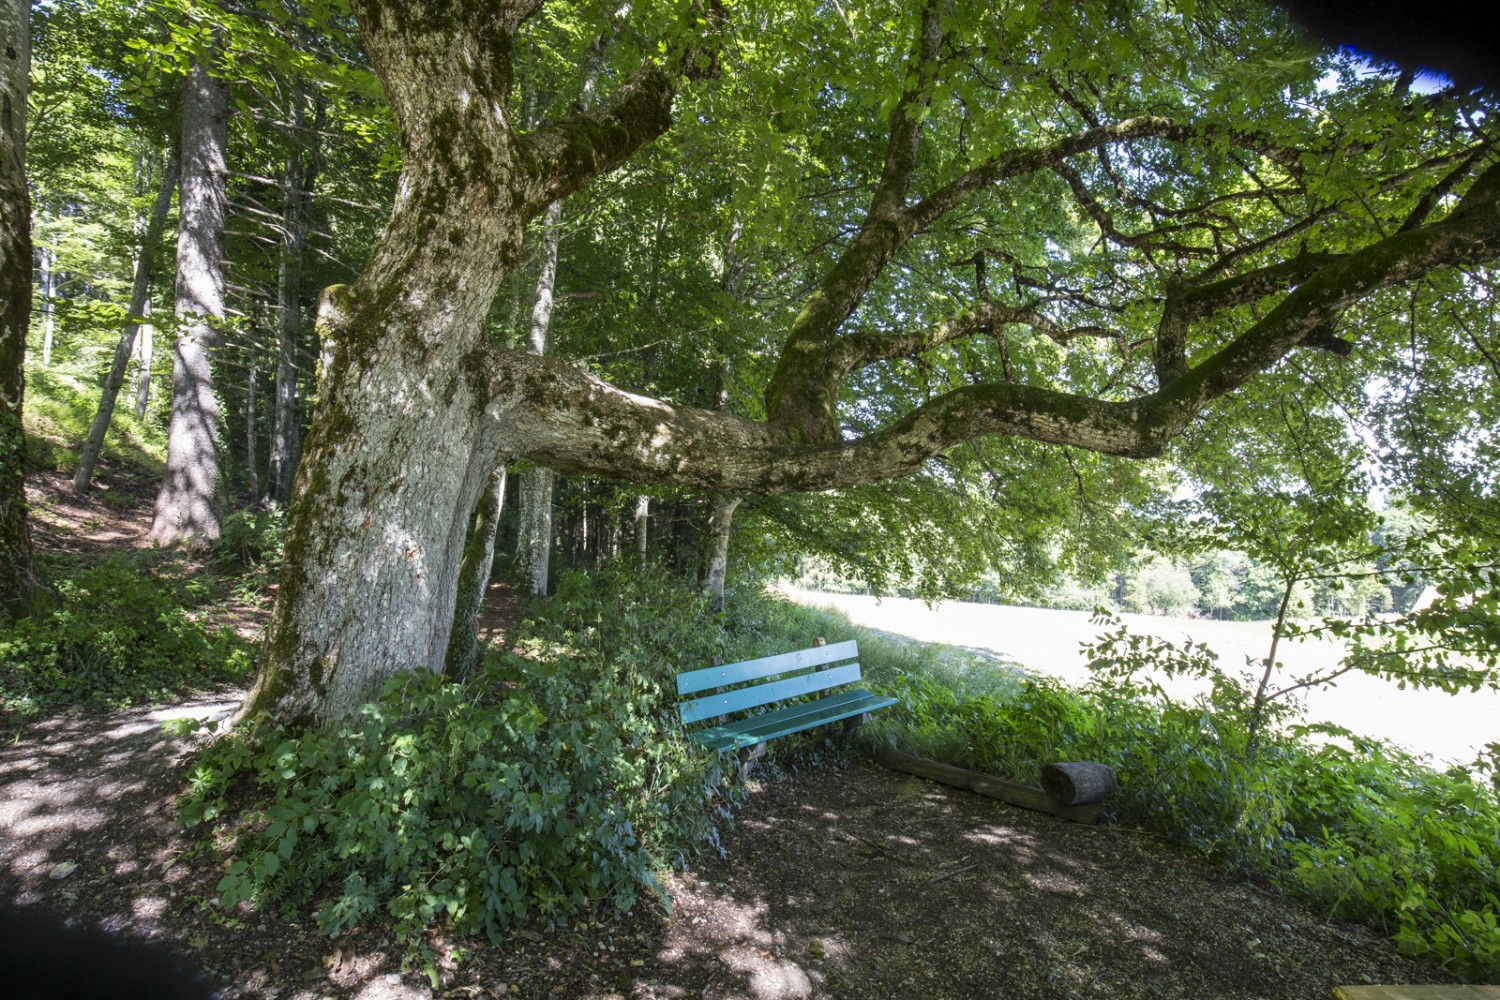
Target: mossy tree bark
187	504
417	409
410	425
18	584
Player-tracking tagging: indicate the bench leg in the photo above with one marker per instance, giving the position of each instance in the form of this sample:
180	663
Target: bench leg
748	759
855	721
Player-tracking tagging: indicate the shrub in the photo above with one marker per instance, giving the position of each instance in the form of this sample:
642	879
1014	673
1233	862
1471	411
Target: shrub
118	635
535	789
250	537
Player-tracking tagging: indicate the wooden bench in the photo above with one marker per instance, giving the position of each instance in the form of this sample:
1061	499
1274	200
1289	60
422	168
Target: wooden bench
735	688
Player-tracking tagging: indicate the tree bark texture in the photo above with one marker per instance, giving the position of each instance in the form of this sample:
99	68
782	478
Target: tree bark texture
140	304
474	579
417	409
18	583
187	505
410	426
251	377
1078	782
720	520
535	528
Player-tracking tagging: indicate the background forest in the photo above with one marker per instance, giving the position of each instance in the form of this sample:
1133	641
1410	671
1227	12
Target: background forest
1327	496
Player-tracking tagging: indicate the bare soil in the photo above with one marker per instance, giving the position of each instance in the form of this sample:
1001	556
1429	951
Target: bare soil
839	879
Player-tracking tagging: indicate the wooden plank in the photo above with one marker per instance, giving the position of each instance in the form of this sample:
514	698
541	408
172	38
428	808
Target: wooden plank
791	719
988	785
763	694
694	681
1437	992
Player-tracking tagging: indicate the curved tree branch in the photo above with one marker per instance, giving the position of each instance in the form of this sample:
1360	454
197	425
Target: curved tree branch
607	431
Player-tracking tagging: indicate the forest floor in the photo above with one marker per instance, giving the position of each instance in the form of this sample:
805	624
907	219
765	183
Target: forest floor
844	880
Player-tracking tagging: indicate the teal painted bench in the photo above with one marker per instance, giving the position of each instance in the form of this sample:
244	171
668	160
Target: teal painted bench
737	688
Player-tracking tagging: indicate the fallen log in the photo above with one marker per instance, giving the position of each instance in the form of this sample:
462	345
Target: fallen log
1078	783
988	785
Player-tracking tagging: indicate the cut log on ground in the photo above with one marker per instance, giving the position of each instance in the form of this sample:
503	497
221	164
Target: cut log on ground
988	785
1079	783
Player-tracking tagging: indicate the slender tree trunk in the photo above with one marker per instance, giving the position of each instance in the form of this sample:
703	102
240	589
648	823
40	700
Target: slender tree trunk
187	506
287	431
535	543
254	484
534	540
144	338
19	588
642	524
140	305
720	519
474	579
49	283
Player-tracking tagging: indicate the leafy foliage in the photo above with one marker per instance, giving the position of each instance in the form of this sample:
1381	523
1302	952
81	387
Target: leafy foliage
250	538
119	635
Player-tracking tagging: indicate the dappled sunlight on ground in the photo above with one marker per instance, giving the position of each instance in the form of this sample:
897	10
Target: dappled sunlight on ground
871	883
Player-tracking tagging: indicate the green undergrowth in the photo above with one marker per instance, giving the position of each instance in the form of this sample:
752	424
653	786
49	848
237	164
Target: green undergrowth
59	409
121	632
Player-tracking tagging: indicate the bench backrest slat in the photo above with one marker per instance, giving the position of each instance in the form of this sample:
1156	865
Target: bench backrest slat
764	694
767	666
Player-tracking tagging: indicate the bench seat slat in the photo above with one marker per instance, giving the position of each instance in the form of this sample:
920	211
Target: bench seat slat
694	681
792	719
764	694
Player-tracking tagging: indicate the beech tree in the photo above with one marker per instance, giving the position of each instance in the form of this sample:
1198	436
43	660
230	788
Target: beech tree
1161	206
187	504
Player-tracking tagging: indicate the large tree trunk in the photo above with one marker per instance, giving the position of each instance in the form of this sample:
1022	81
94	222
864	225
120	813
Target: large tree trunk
411	418
534	543
535	529
140	303
286	439
474	579
18	583
187	505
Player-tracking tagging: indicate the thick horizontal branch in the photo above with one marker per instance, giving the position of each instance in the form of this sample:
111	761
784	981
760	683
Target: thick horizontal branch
567	418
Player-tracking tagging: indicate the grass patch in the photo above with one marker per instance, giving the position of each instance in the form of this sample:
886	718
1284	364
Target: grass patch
58	411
